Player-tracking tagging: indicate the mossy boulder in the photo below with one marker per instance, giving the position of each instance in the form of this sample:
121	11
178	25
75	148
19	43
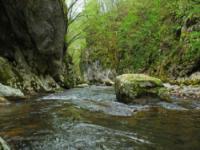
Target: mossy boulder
129	87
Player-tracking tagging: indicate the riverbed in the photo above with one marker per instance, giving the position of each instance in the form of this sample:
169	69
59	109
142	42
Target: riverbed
90	118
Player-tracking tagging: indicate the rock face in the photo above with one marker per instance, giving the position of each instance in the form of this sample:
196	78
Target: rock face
95	74
3	145
31	40
128	87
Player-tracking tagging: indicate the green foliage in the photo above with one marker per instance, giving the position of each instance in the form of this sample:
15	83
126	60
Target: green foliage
160	37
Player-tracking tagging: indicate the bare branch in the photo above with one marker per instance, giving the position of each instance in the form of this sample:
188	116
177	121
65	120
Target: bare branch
72	5
71	20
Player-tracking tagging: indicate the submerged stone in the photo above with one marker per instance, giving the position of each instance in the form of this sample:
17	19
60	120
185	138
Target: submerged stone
129	87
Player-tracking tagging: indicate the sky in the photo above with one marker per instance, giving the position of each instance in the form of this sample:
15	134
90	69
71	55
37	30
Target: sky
78	7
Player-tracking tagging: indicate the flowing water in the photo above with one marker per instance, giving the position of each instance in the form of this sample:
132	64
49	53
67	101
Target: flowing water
91	119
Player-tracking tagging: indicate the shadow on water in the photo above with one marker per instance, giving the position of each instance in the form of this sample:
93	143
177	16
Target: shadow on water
91	119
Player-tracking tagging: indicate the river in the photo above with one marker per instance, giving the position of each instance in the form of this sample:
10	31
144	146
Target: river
91	119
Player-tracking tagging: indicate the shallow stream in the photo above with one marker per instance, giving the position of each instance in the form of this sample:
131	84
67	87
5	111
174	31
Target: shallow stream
91	119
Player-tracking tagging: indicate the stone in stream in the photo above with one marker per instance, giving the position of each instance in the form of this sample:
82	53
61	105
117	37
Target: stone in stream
7	91
82	85
129	87
3	101
3	145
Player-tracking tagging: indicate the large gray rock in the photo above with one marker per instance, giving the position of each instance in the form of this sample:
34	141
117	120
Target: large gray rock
3	145
32	35
7	91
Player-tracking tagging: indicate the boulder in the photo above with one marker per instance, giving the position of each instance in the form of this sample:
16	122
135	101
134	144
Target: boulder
129	87
7	91
3	145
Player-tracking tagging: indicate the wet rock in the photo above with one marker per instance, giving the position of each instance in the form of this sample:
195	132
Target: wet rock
7	91
128	87
3	145
3	101
82	85
108	82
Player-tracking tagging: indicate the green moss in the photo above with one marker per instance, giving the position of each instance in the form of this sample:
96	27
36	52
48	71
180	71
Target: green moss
140	78
164	94
6	72
128	87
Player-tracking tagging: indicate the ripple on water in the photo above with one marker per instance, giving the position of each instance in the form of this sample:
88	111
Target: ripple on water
92	119
92	137
97	99
171	106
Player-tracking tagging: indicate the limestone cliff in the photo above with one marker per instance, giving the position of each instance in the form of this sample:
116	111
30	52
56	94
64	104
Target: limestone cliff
31	43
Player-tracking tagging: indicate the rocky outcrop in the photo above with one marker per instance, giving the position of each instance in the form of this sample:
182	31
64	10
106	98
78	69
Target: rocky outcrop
94	73
31	42
128	87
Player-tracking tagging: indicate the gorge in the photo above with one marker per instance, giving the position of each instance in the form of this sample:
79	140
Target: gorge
99	74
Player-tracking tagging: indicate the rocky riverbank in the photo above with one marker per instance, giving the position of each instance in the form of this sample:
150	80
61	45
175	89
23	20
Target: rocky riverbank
130	88
184	91
185	87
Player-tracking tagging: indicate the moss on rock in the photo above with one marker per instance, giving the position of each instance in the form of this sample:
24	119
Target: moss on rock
131	86
6	72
